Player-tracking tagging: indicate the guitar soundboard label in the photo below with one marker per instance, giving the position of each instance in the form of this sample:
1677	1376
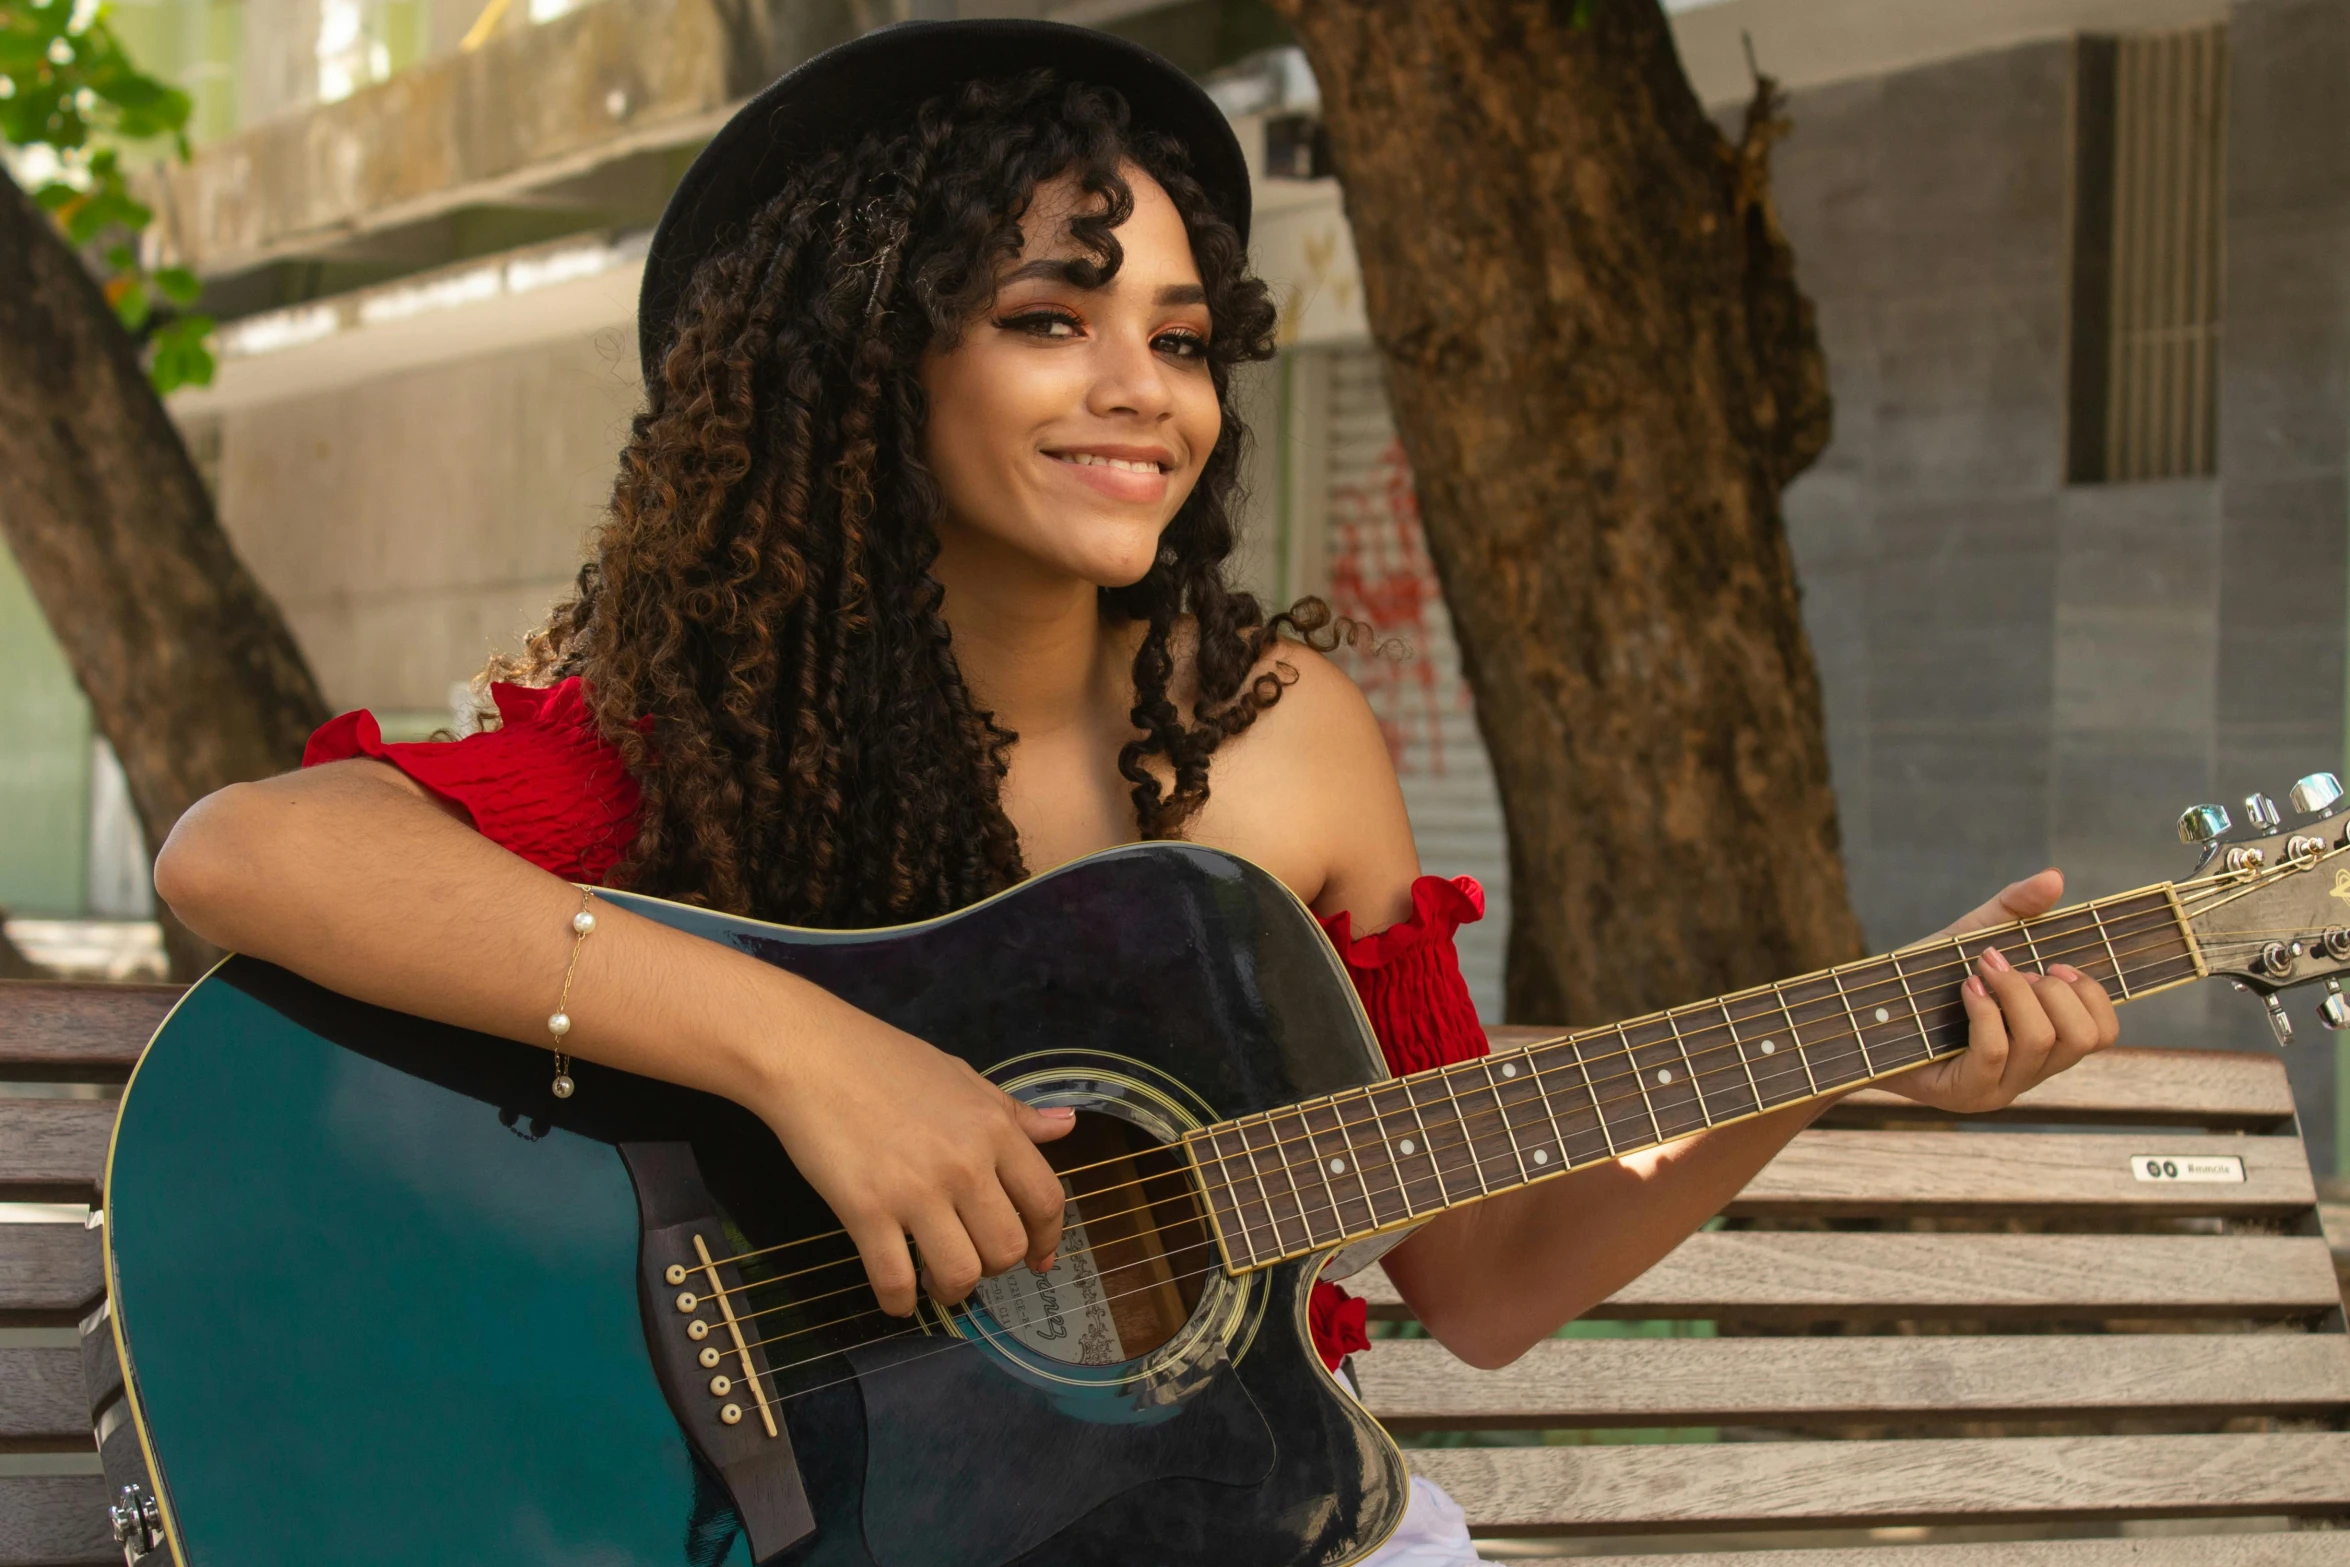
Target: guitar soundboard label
2168	1168
1064	1314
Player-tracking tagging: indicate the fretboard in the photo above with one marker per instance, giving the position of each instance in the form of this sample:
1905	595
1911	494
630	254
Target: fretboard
1327	1171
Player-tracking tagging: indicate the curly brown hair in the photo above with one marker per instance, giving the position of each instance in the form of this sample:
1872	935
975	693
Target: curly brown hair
757	625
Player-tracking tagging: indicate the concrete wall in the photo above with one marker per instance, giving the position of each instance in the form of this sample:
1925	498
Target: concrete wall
410	525
2021	672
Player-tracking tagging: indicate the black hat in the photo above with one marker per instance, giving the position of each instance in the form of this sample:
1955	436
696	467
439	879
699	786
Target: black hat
884	76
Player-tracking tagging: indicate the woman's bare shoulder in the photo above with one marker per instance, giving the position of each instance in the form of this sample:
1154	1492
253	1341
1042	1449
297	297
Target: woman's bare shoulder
1309	790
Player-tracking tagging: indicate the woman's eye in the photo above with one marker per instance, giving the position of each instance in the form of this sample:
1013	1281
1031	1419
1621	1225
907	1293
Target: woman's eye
1183	345
1042	323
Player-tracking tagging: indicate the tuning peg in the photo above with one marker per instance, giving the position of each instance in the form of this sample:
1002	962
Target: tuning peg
2278	1023
2202	823
2317	794
2334	1010
2261	812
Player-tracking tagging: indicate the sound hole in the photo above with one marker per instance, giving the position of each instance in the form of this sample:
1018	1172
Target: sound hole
1135	1254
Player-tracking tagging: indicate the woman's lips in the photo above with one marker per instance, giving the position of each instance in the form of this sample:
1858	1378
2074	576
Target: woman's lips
1123	484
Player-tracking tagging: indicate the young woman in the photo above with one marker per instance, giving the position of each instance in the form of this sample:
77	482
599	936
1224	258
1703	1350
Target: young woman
912	588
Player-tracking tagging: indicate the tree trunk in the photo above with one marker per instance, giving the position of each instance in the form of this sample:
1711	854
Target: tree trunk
188	666
1604	376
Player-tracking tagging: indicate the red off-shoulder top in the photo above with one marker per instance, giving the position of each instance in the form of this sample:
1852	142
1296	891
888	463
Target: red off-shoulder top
545	785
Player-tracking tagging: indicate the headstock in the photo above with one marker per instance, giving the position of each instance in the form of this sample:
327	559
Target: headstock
2270	908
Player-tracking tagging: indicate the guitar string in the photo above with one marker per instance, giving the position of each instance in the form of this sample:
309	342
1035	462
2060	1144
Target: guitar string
1690	1042
1197	1220
2222	884
2096	951
2196	888
1328	1203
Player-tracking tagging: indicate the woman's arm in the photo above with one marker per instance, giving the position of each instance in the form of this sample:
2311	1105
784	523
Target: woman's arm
1492	1279
1310	793
353	876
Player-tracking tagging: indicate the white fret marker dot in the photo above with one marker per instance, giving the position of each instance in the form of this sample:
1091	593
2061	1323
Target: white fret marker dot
1509	1069
1663	1076
1883	1015
1338	1167
1406	1146
1542	1156
1768	1047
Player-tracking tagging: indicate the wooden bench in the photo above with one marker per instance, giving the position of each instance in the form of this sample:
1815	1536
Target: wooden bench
1901	1329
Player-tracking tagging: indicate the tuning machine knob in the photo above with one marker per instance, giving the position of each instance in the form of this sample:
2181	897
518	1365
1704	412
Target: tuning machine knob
2278	1024
2334	1010
2202	823
2261	812
2317	794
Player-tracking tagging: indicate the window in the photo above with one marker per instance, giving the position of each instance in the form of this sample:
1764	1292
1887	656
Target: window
2150	117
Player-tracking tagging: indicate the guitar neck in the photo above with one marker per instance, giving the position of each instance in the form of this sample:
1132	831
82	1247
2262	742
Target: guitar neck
1327	1171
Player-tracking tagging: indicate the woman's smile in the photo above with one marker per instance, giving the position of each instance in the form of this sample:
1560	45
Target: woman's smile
1123	473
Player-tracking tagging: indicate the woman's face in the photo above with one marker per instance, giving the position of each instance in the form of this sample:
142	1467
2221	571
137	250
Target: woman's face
1068	424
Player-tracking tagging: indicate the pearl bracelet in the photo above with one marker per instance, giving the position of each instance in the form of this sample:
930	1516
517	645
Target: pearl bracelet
583	925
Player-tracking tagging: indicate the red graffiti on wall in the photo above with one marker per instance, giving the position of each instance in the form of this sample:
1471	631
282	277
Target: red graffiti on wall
1380	573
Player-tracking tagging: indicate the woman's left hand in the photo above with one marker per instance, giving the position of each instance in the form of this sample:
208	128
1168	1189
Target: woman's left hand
2023	1027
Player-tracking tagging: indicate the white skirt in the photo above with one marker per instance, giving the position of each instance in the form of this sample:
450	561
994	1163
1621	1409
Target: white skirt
1433	1533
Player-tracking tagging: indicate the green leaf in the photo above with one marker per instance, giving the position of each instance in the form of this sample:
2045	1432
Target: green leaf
55	196
180	355
132	304
179	285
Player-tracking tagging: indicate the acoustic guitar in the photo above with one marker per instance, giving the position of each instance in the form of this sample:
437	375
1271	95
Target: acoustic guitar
380	1298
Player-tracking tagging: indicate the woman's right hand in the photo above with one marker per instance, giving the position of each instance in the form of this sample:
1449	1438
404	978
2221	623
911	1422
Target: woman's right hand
902	1139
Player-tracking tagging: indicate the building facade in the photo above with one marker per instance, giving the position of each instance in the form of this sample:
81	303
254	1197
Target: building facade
2073	561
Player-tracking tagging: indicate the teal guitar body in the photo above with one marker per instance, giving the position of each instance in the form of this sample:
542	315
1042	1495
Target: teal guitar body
381	1298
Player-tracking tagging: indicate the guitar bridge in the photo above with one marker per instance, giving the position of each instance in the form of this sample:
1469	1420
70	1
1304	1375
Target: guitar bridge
717	1387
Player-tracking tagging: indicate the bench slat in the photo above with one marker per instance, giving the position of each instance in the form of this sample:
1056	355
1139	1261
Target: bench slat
53	1150
2314	1548
1418	1385
1948	1172
43	1408
49	1274
1799	1276
64	1031
2219	1088
1658	1488
55	1521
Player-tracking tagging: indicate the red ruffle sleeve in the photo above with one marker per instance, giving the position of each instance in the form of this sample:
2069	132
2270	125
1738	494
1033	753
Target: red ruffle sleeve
543	784
1409	976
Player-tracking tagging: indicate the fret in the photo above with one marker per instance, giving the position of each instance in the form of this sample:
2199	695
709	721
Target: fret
1598	1110
1493	1087
1281	1243
1525	1071
1474	1132
1639	1081
2119	978
1354	1156
1244	1233
1860	1038
1696	1082
1738	1048
1334	1151
1548	1079
1917	1017
1408	1143
1443	1192
2023	928
1326	1170
1460	1116
1946	1012
1795	1039
1298	1146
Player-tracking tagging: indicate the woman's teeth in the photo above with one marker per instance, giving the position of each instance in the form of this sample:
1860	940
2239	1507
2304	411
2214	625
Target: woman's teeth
1088	459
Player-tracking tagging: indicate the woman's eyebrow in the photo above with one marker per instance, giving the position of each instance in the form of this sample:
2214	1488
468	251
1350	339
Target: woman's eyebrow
1067	270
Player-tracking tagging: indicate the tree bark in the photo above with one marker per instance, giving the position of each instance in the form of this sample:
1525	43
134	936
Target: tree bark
1603	375
188	666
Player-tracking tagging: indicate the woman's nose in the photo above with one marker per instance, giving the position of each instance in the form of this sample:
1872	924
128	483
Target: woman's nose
1128	379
